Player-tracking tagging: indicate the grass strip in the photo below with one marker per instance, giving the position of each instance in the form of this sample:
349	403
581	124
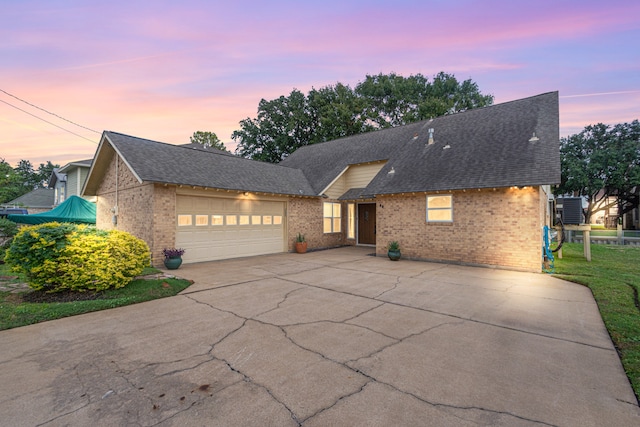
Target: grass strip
15	311
613	275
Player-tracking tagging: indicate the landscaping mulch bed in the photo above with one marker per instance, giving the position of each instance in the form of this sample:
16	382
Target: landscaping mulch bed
65	296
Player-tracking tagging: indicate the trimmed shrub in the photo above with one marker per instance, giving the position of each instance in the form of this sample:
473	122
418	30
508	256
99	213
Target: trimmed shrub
35	248
57	257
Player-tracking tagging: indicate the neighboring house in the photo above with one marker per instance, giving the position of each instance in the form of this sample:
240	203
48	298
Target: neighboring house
58	183
69	179
36	201
607	212
470	188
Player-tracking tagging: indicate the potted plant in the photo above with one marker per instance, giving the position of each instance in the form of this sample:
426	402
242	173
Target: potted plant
172	257
301	244
393	250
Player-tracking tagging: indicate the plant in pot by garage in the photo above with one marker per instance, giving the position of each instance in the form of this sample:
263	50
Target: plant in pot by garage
393	250
301	244
172	257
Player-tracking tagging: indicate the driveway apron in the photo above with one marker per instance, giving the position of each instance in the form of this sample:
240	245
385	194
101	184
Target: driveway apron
335	337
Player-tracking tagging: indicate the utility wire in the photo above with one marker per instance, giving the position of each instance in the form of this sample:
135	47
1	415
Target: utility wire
46	111
46	121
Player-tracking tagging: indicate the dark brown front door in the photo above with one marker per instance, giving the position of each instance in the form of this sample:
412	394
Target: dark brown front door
367	224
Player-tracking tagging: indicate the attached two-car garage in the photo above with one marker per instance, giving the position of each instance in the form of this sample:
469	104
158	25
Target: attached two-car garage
214	228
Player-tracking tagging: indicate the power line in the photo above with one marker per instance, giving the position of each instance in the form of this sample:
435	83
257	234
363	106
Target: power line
46	111
46	121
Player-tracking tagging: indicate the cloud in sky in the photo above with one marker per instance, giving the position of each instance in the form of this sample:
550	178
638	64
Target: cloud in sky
163	70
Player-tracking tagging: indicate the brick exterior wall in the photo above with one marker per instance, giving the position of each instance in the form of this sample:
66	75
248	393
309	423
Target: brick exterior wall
493	228
145	210
164	221
500	227
305	216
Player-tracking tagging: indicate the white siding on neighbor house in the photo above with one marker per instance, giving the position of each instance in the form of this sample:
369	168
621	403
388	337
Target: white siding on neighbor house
84	172
222	228
72	183
356	176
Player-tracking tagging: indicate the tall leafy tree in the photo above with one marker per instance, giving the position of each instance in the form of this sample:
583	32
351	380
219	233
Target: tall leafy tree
335	111
28	175
208	139
602	162
283	125
44	173
11	183
395	100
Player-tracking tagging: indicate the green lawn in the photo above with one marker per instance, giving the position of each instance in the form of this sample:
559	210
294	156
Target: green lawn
613	275
14	312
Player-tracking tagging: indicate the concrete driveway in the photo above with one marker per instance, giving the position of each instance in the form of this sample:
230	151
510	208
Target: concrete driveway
330	338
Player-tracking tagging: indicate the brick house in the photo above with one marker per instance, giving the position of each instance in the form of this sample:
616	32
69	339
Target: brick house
469	188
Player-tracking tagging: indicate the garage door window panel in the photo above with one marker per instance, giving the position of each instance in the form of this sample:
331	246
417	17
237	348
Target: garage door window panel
185	220
202	220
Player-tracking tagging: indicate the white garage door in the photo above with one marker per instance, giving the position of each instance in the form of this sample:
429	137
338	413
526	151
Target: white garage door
217	228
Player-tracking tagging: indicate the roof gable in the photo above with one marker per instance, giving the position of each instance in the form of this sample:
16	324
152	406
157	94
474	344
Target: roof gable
74	165
514	143
152	161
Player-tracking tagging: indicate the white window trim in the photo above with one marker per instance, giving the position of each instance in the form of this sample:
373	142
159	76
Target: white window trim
351	221
439	209
332	217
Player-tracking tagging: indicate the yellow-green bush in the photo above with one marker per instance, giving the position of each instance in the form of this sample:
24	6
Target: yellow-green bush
57	257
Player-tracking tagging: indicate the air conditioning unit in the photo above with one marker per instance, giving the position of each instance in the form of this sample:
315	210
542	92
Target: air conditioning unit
572	210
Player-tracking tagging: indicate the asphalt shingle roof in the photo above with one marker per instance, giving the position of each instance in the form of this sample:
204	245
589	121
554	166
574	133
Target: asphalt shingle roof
85	163
514	143
487	147
153	161
38	198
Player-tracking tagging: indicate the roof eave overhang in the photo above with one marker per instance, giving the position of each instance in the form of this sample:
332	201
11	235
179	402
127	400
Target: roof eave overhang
233	190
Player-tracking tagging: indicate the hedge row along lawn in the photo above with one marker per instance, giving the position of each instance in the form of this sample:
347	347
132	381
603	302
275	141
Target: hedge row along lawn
613	275
21	309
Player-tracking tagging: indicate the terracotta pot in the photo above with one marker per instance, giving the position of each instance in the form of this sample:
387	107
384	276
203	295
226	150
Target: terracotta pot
301	247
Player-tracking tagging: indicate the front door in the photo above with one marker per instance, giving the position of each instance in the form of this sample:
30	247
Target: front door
367	224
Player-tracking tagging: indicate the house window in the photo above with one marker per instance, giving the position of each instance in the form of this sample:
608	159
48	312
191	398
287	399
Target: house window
266	220
351	221
244	220
331	217
277	220
440	208
232	220
256	219
184	220
217	220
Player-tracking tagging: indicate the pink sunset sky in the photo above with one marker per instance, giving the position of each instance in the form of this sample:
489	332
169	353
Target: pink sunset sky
162	70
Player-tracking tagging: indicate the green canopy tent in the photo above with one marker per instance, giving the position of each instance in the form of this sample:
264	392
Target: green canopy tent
74	209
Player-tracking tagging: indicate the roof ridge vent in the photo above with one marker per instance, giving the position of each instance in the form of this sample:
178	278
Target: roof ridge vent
431	131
